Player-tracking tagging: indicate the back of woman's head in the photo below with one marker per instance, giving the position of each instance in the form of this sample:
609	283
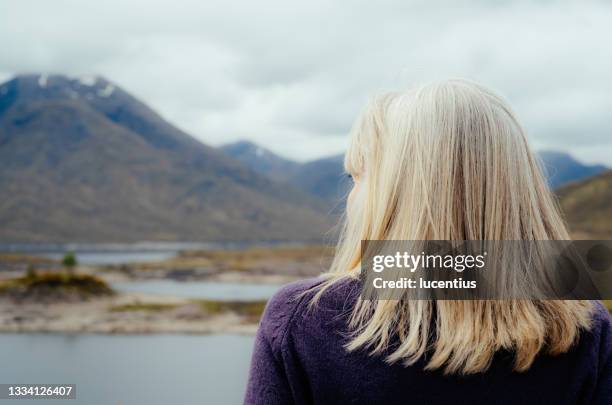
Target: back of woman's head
449	161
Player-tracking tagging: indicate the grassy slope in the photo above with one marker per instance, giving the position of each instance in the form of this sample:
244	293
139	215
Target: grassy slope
587	206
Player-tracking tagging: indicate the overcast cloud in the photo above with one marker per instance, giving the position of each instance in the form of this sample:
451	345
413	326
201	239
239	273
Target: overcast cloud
293	76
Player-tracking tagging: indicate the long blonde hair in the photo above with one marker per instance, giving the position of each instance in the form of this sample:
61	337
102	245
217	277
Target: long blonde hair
449	161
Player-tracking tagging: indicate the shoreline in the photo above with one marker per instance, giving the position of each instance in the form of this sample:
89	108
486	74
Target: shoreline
142	313
128	313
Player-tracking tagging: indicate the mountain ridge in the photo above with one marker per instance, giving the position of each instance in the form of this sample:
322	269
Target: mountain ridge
261	160
324	177
80	162
561	168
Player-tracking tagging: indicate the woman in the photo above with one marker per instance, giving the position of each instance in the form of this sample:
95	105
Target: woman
447	161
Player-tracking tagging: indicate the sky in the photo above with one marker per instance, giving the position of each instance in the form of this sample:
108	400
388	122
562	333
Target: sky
293	75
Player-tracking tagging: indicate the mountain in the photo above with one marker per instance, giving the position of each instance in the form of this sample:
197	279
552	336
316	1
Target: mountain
324	178
83	160
587	206
261	160
561	168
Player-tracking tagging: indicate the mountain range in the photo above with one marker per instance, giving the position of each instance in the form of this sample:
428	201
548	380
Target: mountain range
584	191
561	168
83	160
325	177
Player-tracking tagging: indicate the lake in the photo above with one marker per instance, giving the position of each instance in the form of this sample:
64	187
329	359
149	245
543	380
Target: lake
134	369
104	254
137	369
121	253
201	289
108	258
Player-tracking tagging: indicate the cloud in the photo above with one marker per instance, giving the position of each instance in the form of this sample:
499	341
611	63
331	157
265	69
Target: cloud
294	75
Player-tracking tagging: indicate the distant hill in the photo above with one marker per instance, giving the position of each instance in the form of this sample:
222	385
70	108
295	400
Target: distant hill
83	160
261	160
562	168
587	206
325	178
322	178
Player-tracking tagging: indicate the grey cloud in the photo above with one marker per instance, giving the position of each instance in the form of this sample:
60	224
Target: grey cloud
293	76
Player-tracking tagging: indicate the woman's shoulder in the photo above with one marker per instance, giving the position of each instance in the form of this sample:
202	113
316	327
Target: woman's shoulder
596	345
592	351
601	328
292	302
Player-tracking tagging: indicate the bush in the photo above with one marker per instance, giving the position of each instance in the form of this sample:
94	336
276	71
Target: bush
69	261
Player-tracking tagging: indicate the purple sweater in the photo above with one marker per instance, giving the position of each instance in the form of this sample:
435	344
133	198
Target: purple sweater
299	359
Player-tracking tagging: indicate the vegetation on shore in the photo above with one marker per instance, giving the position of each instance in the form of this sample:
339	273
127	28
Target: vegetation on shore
54	286
252	309
143	306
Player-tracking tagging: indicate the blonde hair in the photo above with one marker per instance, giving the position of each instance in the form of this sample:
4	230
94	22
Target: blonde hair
449	161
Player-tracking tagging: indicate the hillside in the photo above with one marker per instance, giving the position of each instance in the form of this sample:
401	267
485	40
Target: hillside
587	206
82	160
